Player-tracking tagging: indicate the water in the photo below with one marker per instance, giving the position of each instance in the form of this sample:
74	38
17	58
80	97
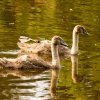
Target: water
44	19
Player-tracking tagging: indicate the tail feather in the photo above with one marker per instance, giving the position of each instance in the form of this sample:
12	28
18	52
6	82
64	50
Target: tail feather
24	39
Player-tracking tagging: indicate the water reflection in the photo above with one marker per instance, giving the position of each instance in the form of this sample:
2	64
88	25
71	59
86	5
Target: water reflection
75	76
54	79
28	84
24	84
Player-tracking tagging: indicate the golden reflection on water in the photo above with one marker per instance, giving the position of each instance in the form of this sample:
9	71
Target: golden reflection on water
34	81
24	84
76	78
54	79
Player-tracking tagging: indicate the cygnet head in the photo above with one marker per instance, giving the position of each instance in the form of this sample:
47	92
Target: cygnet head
80	29
56	40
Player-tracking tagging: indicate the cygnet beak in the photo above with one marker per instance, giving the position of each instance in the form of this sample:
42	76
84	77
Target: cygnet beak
85	32
64	44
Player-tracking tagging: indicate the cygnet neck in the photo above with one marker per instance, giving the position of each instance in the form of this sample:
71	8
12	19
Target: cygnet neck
55	55
75	40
